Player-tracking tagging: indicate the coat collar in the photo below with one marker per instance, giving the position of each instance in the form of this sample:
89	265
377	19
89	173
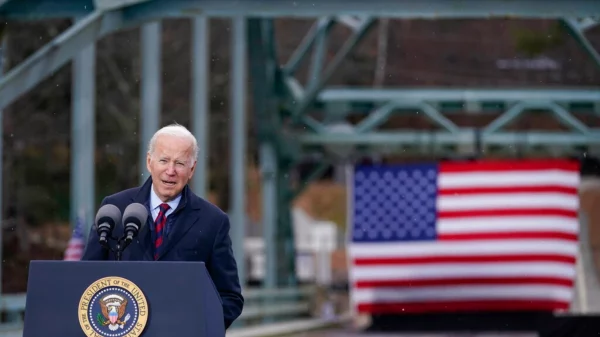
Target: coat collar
187	196
187	211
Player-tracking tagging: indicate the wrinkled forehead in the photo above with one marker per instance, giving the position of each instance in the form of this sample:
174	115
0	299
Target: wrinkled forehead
173	146
175	142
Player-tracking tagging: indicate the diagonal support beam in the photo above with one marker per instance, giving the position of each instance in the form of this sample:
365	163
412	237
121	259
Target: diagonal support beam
55	54
315	174
376	118
316	38
515	111
587	23
380	115
567	119
319	28
437	117
313	91
577	31
352	22
114	4
318	56
295	90
507	117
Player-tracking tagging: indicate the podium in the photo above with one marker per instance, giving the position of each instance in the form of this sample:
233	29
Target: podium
121	299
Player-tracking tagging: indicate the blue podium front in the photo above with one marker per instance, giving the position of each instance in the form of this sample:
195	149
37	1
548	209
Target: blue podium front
121	299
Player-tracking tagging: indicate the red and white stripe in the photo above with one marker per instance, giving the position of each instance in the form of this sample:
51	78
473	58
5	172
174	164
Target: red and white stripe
508	240
74	250
76	245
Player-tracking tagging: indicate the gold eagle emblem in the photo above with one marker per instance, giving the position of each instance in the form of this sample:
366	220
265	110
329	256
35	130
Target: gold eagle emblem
113	308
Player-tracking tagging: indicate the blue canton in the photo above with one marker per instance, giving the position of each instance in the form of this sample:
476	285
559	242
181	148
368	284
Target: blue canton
395	203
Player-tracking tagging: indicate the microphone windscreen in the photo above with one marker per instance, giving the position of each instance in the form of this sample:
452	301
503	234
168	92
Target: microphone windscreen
135	213
109	214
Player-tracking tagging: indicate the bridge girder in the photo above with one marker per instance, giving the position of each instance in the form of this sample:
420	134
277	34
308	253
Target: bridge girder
287	126
430	9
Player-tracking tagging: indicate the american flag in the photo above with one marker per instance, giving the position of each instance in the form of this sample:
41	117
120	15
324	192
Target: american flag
74	250
464	236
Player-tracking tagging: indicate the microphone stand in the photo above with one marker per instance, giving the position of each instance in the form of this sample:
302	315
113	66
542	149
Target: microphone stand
122	243
119	250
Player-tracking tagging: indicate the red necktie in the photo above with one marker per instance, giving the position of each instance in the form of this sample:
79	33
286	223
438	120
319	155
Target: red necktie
159	224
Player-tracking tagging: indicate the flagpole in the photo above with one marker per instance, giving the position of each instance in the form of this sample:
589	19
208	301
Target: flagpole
582	286
580	274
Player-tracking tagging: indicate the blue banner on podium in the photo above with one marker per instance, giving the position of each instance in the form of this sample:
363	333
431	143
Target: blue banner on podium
121	299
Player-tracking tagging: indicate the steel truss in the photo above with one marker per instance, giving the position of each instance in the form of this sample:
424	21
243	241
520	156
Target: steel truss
288	120
515	104
389	102
294	118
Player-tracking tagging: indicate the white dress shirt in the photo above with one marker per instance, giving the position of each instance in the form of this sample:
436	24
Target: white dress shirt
155	203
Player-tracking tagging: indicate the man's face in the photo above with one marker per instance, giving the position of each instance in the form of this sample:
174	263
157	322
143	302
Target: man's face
170	165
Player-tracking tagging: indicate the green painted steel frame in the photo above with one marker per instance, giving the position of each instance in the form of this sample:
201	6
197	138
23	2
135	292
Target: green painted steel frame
430	9
388	102
299	130
283	107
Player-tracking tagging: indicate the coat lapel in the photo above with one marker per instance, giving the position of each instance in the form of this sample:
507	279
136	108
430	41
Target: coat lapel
145	240
187	217
145	235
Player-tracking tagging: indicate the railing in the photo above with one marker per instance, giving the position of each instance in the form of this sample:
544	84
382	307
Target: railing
12	309
275	304
262	306
283	311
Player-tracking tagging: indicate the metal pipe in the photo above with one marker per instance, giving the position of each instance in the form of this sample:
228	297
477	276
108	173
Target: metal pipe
3	54
151	90
200	71
83	130
238	141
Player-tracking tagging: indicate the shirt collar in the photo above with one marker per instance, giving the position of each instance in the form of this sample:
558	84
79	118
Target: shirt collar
155	200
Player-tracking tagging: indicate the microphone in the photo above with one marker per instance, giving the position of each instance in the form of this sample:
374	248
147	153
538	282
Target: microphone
106	219
134	218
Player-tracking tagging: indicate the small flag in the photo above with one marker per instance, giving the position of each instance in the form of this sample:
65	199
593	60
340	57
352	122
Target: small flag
74	250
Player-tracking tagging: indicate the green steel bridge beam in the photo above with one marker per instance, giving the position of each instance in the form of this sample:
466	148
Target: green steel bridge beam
382	95
577	30
553	103
564	116
380	116
319	29
431	9
466	136
281	141
397	142
317	85
424	9
309	133
274	156
56	53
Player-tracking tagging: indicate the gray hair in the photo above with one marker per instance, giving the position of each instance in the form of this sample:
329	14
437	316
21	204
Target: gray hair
177	131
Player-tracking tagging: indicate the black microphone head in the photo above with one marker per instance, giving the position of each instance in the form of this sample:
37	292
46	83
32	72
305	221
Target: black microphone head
107	218
134	218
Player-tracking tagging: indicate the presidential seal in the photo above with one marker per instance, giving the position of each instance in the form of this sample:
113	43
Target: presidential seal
113	307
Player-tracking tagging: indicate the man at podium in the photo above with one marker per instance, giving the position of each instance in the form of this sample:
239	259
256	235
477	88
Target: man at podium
181	226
